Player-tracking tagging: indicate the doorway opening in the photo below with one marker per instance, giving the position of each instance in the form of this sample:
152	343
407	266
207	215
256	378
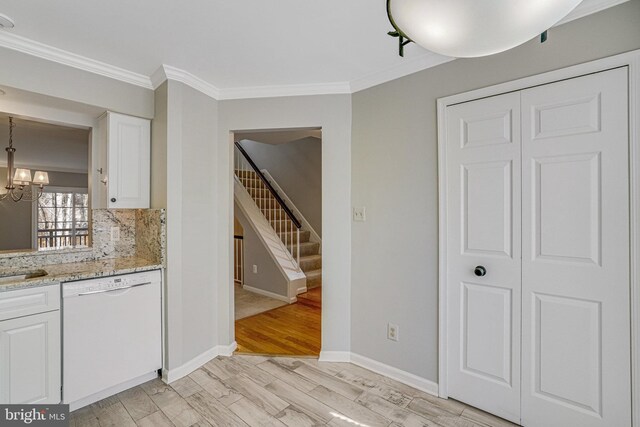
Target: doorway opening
278	241
53	213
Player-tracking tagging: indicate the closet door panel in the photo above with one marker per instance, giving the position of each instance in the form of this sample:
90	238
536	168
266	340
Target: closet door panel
483	179
575	253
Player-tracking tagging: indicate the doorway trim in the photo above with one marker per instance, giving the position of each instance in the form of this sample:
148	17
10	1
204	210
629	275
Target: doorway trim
630	60
292	289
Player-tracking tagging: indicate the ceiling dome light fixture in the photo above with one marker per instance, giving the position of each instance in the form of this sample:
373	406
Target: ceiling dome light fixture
6	22
471	28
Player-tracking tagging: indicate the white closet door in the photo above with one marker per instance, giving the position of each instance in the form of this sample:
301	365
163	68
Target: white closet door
575	255
483	180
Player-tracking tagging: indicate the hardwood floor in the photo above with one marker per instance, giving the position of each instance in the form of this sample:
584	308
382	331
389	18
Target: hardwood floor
279	391
292	330
312	298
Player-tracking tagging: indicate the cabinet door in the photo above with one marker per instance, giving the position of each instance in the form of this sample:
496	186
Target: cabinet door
30	359
129	160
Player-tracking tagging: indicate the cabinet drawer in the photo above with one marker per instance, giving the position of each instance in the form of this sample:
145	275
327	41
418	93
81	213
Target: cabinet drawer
24	302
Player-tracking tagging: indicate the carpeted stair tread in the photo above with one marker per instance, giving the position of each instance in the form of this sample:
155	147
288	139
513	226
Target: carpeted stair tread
314	278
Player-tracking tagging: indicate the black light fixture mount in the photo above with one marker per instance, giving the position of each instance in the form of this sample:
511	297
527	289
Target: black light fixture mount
403	40
543	37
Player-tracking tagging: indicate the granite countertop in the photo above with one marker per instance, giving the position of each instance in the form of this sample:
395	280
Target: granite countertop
67	272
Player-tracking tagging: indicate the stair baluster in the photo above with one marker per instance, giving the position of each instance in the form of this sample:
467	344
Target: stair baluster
267	199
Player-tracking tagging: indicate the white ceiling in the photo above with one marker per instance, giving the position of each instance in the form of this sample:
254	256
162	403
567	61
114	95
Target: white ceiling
237	46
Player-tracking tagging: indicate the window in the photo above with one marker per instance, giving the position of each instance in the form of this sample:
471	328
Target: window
63	218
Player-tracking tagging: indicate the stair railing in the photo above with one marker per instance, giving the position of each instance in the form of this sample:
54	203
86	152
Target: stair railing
267	199
238	259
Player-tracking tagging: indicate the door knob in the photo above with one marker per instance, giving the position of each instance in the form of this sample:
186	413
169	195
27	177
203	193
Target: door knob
480	271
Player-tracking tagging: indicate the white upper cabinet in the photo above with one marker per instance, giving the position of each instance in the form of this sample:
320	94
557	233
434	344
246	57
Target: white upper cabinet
124	162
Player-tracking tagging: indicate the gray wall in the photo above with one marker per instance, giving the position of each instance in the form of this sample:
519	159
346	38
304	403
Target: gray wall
394	174
15	220
184	180
269	277
297	168
46	147
159	148
68	179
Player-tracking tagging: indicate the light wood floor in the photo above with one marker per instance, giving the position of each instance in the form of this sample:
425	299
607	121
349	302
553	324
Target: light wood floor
261	391
290	330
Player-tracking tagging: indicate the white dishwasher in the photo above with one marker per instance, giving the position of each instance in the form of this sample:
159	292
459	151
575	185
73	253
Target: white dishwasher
111	335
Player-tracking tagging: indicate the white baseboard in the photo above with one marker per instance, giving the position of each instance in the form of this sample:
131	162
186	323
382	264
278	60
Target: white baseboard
404	377
334	356
267	294
169	376
227	350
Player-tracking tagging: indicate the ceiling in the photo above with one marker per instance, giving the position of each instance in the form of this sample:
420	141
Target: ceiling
238	47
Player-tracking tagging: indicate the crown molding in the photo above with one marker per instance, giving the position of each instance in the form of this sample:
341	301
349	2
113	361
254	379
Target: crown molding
336	88
60	56
588	7
158	77
167	72
408	66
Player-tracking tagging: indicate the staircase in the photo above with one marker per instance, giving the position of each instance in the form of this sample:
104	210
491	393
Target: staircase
310	261
295	235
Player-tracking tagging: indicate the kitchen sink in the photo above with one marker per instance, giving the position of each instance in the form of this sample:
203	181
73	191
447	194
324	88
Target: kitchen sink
16	276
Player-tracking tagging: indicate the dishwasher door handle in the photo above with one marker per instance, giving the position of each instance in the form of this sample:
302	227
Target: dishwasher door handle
102	291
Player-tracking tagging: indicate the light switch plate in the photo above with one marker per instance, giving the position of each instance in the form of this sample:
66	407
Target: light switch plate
359	213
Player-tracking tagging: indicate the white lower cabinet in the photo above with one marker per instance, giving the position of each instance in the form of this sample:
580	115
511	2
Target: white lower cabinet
29	354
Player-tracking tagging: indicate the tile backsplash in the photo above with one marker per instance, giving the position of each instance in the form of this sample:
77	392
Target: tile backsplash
106	219
151	235
142	235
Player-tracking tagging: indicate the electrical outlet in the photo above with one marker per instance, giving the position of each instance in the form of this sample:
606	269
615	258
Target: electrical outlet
392	332
359	213
115	234
255	269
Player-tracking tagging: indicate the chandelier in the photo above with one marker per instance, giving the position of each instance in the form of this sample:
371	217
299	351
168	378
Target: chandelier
20	186
472	28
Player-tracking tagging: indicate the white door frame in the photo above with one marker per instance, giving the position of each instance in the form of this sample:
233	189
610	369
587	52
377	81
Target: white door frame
232	140
630	60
